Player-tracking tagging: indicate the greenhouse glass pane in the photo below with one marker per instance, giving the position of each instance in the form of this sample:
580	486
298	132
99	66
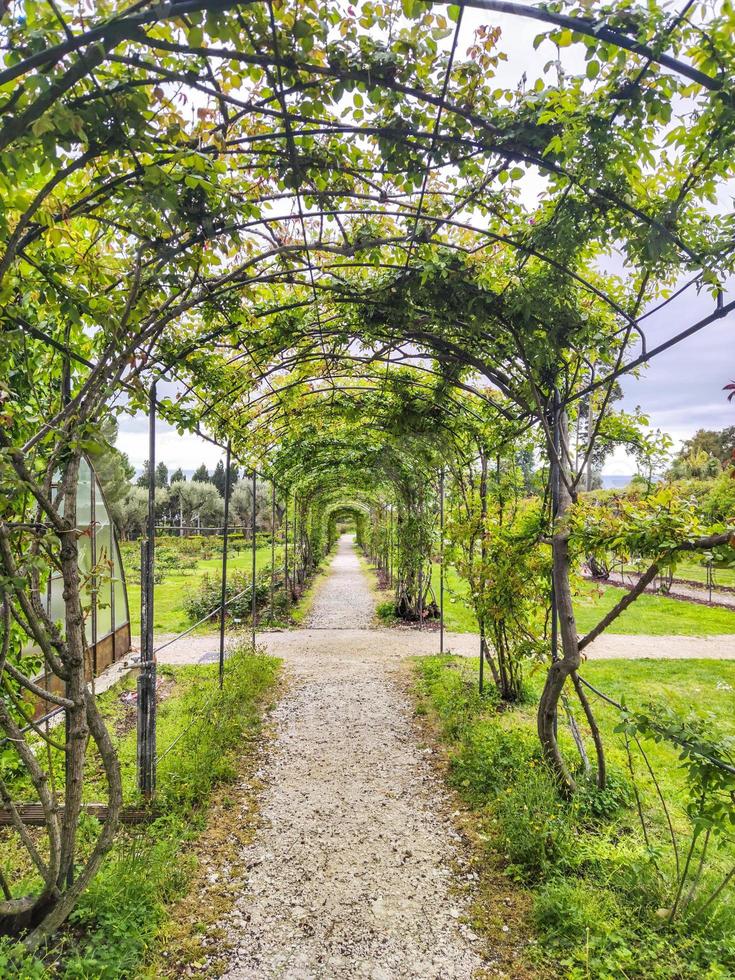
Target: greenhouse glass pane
56	611
104	566
122	615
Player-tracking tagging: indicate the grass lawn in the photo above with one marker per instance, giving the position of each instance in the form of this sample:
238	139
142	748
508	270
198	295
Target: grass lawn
696	572
704	687
598	896
170	616
649	614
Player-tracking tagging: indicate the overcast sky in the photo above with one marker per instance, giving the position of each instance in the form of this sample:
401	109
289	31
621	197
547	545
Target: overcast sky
681	390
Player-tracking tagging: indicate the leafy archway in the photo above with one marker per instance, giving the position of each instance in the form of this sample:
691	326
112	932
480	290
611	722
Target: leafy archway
318	223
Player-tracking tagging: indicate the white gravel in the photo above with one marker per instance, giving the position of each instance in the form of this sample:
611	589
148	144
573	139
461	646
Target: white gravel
351	871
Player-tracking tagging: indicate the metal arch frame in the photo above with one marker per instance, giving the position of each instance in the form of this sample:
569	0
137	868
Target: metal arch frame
583	25
118	28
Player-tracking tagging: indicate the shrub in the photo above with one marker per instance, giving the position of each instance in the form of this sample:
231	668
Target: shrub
16	961
203	600
455	697
118	916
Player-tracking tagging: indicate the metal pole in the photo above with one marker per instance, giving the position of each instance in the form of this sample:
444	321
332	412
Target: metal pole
65	399
273	550
482	661
441	560
147	678
555	474
421	594
555	490
296	543
390	547
254	549
285	556
223	596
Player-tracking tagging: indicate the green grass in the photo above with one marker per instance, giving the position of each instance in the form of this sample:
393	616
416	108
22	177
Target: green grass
596	895
696	572
116	921
652	614
169	613
649	614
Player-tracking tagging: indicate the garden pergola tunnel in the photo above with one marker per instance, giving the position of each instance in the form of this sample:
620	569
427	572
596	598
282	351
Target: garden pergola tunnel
358	255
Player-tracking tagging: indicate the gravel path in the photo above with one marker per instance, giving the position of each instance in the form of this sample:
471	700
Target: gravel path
344	600
351	871
399	643
356	870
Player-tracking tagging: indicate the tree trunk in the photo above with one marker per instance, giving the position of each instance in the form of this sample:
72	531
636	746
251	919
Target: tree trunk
570	659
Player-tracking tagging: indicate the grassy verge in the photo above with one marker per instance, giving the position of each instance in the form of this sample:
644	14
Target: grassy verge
650	614
596	892
210	735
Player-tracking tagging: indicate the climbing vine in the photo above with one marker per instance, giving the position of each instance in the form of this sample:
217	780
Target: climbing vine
308	219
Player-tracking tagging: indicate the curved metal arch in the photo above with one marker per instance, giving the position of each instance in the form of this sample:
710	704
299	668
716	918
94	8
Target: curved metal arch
117	29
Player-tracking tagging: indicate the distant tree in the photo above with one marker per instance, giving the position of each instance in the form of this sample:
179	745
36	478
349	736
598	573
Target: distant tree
697	464
218	477
234	474
241	505
144	477
113	469
718	444
178	476
194	504
201	475
161	475
132	512
525	461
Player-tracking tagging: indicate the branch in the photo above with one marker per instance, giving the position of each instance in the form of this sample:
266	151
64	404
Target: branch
699	544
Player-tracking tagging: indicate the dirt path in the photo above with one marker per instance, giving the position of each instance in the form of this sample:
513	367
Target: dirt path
351	869
678	590
396	644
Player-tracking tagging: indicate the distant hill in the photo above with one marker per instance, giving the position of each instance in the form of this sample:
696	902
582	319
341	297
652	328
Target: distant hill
611	481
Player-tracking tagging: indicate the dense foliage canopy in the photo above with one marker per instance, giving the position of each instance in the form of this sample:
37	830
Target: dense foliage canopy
336	236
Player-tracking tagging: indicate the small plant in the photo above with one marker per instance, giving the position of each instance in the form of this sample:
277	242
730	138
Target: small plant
708	761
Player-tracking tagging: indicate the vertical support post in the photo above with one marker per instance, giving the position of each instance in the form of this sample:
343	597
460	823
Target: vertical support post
296	542
482	659
225	537
65	399
254	611
147	678
555	477
285	555
95	582
421	594
390	546
441	560
273	551
710	578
